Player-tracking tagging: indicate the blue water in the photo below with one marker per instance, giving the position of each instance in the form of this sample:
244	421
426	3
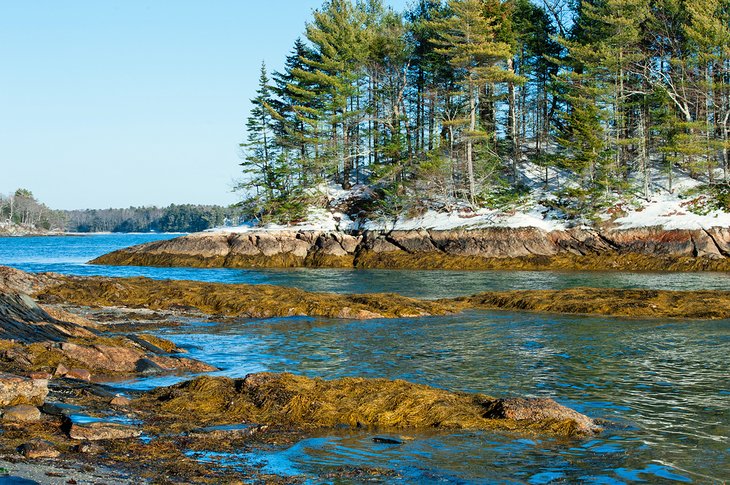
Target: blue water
69	255
663	386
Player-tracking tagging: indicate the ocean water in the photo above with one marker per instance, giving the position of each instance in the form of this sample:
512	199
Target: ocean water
662	387
69	255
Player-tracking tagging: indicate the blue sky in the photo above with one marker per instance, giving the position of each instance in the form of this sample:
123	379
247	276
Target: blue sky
117	103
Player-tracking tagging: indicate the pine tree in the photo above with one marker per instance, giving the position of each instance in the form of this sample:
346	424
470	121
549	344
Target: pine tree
468	38
259	148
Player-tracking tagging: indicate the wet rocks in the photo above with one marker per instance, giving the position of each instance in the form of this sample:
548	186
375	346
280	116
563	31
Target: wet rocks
100	430
288	400
38	448
22	390
538	409
104	357
22	413
60	409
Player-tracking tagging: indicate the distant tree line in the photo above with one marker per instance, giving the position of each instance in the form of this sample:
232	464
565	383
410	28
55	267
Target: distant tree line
21	208
175	218
448	98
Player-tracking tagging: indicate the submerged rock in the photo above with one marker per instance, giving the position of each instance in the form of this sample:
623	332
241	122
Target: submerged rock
289	400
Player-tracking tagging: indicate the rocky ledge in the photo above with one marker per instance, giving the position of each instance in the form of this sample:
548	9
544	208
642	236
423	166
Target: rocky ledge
221	301
49	341
492	248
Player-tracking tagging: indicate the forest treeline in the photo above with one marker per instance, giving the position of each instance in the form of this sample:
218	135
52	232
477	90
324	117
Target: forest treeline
22	209
445	102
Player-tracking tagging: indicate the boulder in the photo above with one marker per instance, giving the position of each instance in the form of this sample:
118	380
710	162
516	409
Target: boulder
101	431
38	449
536	410
23	413
22	390
103	357
79	375
120	401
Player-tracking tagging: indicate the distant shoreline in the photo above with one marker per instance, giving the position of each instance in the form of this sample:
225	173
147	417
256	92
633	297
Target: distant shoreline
81	234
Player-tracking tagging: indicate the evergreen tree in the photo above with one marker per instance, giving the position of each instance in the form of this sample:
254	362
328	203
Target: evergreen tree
468	38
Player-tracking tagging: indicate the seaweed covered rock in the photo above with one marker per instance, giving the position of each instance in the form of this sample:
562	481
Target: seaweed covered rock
641	303
35	338
16	390
295	401
236	300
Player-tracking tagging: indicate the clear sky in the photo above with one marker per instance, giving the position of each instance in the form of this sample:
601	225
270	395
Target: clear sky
114	103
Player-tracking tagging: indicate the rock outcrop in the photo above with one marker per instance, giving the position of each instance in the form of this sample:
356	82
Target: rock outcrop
296	401
15	390
492	248
34	339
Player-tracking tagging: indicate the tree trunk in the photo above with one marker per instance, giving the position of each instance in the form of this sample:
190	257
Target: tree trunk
469	142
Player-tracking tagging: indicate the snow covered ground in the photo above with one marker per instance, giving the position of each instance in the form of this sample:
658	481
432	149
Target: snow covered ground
661	209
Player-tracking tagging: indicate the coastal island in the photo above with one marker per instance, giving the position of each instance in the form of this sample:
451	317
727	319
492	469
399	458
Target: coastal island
471	241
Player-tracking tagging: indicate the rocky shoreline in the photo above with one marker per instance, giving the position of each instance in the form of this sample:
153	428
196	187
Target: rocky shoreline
62	338
646	249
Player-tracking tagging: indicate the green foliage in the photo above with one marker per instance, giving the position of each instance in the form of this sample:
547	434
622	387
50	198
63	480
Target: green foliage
505	196
175	218
444	103
706	198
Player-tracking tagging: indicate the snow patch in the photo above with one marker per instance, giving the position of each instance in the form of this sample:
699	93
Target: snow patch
483	218
670	212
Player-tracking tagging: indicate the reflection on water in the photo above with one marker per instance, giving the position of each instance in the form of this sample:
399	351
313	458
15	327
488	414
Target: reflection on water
663	386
